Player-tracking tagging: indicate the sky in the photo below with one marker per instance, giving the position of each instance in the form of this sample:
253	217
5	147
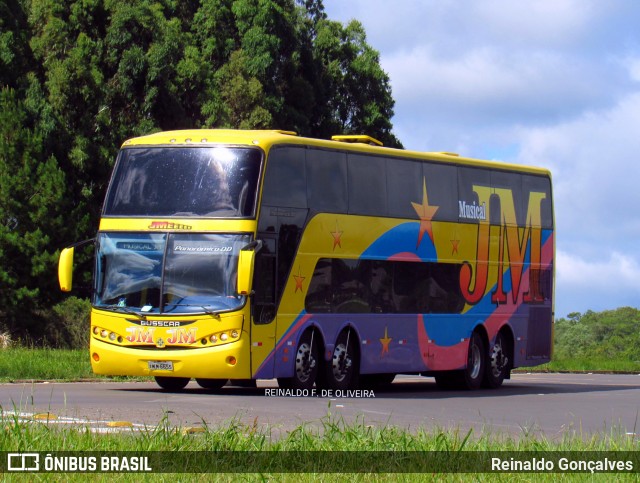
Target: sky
550	83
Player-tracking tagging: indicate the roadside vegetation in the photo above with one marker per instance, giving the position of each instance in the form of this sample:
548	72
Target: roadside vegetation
337	448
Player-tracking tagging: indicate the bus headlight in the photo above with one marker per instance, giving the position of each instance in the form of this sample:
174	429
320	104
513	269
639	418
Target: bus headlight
234	334
224	336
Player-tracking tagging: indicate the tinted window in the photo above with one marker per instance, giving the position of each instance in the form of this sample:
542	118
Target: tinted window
470	209
404	183
511	182
182	182
367	185
442	190
285	182
327	181
382	286
539	184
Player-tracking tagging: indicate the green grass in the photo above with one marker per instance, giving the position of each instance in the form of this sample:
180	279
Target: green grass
18	363
343	442
46	364
590	365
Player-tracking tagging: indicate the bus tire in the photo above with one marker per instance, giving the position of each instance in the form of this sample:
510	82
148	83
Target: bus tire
211	383
305	369
498	363
471	376
172	383
342	371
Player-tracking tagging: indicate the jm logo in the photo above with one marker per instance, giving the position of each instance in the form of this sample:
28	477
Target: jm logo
23	462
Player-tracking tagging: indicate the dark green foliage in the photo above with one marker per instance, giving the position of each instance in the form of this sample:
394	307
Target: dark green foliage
79	77
68	324
612	334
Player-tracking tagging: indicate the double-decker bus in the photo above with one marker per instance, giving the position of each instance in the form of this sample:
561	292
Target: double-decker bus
243	255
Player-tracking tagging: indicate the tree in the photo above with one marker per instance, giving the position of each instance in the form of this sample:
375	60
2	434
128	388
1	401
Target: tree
610	334
355	90
31	188
241	95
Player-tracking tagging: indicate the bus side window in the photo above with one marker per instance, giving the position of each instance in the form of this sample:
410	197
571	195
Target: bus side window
264	299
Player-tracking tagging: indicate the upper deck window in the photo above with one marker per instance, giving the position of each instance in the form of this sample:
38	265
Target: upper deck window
214	182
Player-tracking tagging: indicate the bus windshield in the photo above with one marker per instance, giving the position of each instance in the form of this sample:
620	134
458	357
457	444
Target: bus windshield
217	182
168	273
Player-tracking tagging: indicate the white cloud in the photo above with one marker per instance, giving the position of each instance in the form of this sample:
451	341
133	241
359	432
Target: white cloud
490	85
554	24
603	282
595	173
611	271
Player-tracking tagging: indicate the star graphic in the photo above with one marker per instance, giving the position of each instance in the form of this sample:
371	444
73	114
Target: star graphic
299	279
336	237
425	212
454	246
385	341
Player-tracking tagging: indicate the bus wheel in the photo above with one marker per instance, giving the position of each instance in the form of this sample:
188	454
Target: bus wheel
306	364
342	370
172	383
211	383
498	363
471	377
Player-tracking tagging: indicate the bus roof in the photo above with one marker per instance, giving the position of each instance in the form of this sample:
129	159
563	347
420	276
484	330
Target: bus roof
268	138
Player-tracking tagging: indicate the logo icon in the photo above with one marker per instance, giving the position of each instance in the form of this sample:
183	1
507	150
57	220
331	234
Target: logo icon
23	462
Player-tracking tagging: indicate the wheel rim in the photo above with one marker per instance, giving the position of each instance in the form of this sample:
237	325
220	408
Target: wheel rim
475	360
305	362
341	363
498	359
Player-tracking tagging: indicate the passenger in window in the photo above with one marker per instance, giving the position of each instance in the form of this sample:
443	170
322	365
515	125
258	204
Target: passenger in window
211	195
380	289
349	291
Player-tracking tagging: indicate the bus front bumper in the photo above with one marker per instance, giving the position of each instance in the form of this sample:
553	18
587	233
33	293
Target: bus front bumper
229	361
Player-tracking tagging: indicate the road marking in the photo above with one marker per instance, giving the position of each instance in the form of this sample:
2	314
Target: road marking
95	426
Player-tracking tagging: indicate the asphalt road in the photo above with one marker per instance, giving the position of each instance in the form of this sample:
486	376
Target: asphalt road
528	404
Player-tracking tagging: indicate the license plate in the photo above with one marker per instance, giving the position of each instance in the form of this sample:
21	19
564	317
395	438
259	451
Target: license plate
160	365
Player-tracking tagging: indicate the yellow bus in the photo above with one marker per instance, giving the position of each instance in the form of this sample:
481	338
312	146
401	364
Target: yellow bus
243	255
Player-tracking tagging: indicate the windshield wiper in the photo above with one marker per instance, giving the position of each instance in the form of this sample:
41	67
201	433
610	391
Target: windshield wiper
207	309
126	310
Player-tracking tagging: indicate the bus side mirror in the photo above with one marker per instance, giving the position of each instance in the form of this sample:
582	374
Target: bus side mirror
65	269
246	262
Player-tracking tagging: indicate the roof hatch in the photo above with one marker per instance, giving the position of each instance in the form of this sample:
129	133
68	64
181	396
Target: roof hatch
356	138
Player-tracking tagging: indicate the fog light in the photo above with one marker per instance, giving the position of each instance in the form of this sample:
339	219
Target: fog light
96	357
231	361
234	334
224	336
